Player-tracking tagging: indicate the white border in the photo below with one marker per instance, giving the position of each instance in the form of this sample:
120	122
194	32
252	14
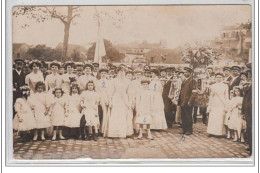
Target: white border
111	162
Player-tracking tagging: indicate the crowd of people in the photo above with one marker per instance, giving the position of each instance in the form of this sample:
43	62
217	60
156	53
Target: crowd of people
119	101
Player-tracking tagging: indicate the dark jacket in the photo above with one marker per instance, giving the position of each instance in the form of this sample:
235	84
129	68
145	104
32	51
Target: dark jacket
234	83
18	80
247	104
186	91
168	105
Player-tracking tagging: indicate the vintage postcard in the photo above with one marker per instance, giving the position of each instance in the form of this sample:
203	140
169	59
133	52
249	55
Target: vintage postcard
132	82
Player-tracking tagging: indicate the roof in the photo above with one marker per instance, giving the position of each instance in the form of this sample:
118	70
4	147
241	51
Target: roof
18	45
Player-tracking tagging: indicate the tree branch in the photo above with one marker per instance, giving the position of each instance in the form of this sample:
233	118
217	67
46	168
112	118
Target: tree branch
55	15
75	15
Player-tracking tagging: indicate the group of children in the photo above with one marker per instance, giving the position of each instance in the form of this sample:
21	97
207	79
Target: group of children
41	111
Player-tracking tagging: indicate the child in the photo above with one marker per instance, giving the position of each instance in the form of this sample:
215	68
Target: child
227	116
57	112
236	119
40	107
89	103
143	109
24	120
73	109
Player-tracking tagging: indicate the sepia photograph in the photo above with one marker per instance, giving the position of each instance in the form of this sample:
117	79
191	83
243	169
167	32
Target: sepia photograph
132	82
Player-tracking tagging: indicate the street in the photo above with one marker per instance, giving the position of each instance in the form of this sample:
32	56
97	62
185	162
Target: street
168	144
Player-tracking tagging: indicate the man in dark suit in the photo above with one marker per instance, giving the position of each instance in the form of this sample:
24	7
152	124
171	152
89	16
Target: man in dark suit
235	77
169	108
247	112
96	70
188	85
18	79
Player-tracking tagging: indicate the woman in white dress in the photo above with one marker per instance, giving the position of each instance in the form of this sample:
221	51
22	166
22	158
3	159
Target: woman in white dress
41	108
89	103
53	80
131	99
157	108
104	90
73	110
24	119
117	125
68	77
217	106
35	76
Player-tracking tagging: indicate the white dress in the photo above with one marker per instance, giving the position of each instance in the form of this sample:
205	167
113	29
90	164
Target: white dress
143	107
136	86
39	102
235	121
66	82
216	108
90	99
157	108
117	125
53	81
103	88
58	111
83	80
130	114
23	109
73	111
32	78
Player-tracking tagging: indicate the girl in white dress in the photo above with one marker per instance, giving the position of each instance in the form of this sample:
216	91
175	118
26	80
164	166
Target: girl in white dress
217	106
89	103
67	77
236	119
41	108
35	76
24	120
157	108
73	110
227	116
53	80
57	112
143	109
119	106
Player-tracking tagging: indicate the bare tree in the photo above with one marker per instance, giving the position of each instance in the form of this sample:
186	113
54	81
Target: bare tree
41	14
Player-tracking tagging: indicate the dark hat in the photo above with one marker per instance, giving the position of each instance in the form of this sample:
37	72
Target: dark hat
180	72
219	74
69	63
249	65
103	70
88	65
162	69
236	68
37	62
130	72
188	69
55	63
155	71
17	61
226	68
243	73
95	64
145	80
170	69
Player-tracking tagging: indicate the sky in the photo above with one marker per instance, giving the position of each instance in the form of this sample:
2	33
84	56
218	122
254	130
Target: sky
177	25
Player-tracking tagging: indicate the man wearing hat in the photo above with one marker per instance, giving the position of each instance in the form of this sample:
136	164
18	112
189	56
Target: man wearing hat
247	112
188	85
235	77
227	75
169	108
96	70
18	78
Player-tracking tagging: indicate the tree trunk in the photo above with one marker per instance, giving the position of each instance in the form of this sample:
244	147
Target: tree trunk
66	34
